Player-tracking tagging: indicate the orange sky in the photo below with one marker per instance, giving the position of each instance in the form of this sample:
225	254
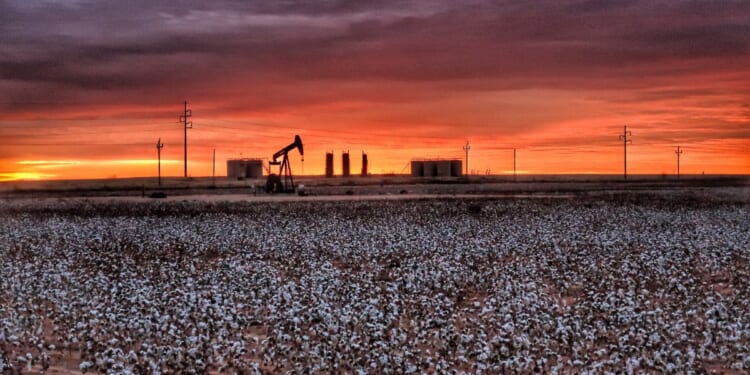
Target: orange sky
85	91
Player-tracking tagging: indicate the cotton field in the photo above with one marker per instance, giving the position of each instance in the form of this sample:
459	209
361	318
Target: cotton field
622	283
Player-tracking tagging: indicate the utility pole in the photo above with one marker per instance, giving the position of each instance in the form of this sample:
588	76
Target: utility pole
213	179
467	148
159	146
187	125
625	138
678	152
514	164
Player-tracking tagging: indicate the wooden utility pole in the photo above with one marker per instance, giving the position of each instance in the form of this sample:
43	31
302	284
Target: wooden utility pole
625	138
159	146
678	152
187	125
213	179
467	148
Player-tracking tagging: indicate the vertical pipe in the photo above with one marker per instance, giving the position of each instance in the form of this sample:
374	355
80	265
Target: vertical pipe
345	164
329	164
364	164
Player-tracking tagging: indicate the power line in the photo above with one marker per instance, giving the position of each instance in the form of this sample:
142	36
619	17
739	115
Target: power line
326	131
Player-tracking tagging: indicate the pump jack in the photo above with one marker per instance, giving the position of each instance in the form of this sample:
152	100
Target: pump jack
275	183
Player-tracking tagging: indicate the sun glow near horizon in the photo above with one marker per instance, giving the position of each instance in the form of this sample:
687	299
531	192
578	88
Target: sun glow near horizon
483	159
25	176
83	169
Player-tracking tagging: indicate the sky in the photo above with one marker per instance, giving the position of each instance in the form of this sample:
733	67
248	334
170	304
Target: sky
88	87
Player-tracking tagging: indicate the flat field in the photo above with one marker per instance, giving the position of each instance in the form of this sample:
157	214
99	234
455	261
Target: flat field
648	280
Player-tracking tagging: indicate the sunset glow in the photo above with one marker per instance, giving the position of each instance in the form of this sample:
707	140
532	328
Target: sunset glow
16	176
86	89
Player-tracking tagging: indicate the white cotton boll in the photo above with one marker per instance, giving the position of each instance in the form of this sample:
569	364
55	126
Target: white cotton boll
383	359
288	273
654	338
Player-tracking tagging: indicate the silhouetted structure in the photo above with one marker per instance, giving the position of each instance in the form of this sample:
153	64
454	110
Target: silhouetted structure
678	152
275	183
329	164
417	168
456	168
467	148
238	169
159	146
345	167
429	168
625	140
364	164
187	125
436	168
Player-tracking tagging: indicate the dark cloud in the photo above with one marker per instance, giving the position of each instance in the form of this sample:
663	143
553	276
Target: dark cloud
713	41
146	51
599	5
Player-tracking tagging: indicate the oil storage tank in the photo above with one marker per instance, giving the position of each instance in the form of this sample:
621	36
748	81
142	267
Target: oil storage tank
443	168
239	169
436	168
457	168
430	168
417	168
